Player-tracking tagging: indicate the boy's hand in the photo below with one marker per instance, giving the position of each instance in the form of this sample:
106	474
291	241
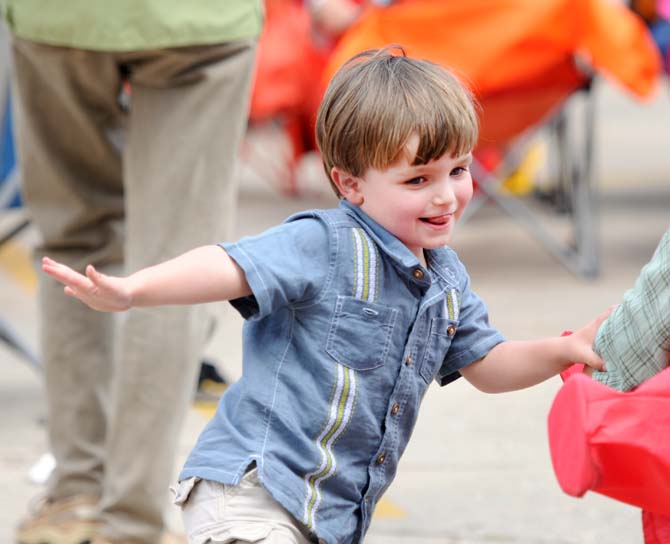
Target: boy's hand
100	292
579	345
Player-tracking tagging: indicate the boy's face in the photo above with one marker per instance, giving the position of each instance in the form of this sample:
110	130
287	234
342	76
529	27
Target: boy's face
418	204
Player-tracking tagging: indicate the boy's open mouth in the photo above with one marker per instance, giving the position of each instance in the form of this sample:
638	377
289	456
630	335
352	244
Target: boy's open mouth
437	220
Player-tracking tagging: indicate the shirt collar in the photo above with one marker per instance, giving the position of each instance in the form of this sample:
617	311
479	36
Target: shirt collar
394	248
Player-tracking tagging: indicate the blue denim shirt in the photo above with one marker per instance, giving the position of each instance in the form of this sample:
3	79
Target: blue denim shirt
345	331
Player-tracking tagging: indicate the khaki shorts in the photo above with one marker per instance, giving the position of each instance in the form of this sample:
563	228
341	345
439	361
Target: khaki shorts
216	513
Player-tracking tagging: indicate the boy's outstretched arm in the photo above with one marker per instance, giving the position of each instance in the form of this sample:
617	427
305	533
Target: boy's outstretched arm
204	274
516	365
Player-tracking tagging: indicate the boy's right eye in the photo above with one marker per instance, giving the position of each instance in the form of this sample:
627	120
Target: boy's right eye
416	181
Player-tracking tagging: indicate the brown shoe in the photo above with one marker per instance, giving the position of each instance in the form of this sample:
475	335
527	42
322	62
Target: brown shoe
62	521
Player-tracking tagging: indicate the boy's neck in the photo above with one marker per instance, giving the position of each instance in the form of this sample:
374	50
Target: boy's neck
421	255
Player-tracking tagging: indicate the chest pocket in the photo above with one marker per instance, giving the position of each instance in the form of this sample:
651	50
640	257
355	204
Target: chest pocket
360	333
442	330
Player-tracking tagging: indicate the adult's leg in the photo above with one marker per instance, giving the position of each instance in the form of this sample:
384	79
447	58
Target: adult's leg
187	115
71	173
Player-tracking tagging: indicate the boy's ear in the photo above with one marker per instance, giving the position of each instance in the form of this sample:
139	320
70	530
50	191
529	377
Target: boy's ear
349	186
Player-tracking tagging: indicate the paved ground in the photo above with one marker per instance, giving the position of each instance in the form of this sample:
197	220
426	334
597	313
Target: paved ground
478	468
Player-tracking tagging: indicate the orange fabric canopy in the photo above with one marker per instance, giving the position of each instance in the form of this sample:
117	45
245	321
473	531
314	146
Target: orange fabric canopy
497	45
518	56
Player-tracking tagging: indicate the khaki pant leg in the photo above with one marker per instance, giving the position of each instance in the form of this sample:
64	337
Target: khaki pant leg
188	114
71	173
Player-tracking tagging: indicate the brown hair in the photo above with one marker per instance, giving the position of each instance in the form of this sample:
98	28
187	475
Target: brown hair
378	99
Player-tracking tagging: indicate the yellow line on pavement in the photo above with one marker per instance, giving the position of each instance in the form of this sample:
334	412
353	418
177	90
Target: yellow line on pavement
388	510
385	508
15	261
205	408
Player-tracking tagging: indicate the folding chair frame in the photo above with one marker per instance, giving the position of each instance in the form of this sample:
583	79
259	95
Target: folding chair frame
574	185
8	191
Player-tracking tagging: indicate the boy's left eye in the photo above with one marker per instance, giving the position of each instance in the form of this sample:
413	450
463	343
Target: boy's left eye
459	171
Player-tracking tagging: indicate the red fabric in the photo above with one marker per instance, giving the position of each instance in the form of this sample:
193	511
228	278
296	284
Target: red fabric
289	65
577	368
656	528
613	443
286	61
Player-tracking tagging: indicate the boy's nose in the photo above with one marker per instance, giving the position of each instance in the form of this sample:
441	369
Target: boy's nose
444	194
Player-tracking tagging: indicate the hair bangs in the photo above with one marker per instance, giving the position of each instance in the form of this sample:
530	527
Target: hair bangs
434	107
445	117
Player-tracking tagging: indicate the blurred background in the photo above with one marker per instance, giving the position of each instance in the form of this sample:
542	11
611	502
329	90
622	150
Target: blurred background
572	195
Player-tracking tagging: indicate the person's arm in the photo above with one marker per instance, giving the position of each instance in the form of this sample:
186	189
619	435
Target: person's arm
205	274
518	364
635	339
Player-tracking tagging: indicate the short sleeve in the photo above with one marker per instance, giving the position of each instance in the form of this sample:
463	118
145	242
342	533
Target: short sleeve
634	341
474	337
285	266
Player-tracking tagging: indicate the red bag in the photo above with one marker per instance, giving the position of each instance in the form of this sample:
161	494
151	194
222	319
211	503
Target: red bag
613	443
656	528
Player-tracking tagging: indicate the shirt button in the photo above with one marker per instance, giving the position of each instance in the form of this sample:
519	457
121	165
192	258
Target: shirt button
408	360
381	458
395	409
451	330
418	273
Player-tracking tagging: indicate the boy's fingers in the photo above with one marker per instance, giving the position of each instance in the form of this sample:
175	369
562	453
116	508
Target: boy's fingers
599	365
93	275
97	278
594	361
66	275
607	312
603	316
55	271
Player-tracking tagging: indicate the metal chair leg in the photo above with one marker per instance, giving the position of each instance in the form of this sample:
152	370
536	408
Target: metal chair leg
581	254
9	337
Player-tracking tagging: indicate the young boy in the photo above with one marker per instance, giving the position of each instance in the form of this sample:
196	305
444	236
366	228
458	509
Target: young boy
352	312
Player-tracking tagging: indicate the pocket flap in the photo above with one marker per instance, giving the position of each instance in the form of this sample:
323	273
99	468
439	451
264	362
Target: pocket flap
360	333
